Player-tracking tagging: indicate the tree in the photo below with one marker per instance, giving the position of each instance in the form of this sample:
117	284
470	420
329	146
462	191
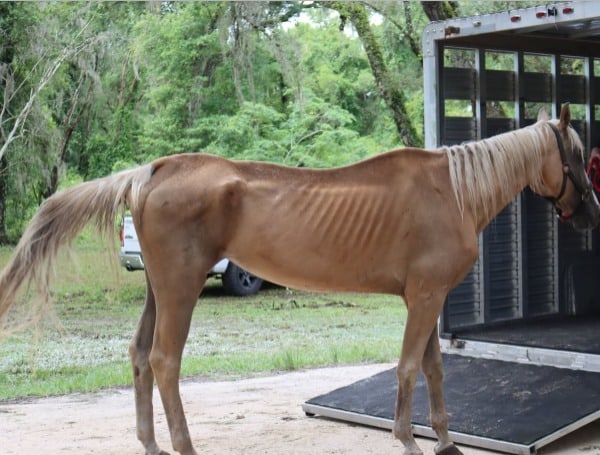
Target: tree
357	14
35	128
46	74
94	87
439	11
185	76
107	137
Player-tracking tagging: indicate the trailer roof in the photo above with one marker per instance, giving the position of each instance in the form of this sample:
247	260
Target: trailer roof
568	28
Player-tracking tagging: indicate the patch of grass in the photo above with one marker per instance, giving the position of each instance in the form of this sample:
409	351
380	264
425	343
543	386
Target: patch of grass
85	348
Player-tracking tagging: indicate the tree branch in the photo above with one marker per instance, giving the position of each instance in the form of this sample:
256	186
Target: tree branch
47	75
393	97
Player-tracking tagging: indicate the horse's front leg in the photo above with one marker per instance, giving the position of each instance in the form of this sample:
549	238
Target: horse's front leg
432	368
402	420
423	311
143	378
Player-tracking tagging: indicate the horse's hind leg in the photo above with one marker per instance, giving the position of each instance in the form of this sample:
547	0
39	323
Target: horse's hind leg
432	368
143	377
176	291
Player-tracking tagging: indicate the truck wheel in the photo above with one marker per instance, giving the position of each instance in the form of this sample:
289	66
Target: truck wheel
239	282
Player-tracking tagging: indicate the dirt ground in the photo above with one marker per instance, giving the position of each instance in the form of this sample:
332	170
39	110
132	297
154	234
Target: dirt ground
252	416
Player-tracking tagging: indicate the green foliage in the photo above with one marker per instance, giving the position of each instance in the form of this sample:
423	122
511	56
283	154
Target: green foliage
305	112
250	80
474	7
177	54
339	73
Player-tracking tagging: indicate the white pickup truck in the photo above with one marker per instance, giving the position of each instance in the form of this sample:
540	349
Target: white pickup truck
236	280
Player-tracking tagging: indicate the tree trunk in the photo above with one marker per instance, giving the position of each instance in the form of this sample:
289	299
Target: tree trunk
3	194
74	114
439	11
6	88
357	14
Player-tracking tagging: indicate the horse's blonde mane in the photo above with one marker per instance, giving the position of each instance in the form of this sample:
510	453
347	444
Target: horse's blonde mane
487	172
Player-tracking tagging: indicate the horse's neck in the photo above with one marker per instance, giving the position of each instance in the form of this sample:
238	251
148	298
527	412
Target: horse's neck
493	184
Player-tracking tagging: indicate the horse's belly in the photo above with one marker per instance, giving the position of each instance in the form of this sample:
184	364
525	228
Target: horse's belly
313	271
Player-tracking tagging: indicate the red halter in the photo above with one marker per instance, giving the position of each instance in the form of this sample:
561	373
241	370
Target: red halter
593	172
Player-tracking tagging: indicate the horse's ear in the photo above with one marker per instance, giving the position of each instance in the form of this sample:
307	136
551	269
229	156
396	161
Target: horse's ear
565	116
543	115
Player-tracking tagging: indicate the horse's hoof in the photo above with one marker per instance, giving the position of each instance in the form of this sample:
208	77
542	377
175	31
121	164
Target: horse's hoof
412	452
450	450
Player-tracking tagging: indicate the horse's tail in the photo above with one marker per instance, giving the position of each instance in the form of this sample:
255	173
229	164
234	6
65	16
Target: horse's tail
60	219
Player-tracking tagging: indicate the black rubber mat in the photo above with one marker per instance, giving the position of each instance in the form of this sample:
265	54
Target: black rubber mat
577	334
486	398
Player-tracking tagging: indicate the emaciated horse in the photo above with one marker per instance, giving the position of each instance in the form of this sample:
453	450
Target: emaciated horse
404	222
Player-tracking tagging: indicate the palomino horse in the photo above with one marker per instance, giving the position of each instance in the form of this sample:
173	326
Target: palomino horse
404	222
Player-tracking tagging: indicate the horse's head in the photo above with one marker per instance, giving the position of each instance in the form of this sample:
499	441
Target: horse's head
564	180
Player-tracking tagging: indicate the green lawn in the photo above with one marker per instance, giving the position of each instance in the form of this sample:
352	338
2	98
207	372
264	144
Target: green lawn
82	345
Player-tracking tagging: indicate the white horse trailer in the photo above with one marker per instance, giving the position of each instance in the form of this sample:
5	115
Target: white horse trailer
521	334
533	272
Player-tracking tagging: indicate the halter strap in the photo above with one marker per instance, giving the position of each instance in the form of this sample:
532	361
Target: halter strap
583	189
563	159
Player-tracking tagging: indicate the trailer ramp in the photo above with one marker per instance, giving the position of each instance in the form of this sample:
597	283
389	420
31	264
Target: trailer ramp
492	404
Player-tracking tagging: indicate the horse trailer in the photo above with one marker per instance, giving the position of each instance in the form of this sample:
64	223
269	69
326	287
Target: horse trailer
520	334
